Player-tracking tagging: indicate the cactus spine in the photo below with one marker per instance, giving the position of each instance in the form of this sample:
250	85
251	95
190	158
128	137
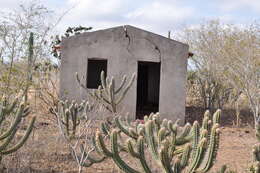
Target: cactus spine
173	148
8	134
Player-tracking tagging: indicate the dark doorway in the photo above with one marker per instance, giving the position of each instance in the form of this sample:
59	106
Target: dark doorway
148	88
95	67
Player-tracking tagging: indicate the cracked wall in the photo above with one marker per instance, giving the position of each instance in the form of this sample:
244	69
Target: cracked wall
123	47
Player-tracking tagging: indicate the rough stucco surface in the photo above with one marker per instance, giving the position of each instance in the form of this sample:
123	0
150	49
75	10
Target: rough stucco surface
122	54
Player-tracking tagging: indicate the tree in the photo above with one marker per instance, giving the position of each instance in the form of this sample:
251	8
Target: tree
213	92
69	32
240	62
15	27
230	54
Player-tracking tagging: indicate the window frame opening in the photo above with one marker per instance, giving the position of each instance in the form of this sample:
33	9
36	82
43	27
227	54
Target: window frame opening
94	68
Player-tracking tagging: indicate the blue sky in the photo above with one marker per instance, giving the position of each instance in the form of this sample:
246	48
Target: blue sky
158	16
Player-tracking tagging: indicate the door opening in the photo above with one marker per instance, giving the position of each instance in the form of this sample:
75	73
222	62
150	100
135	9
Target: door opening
148	88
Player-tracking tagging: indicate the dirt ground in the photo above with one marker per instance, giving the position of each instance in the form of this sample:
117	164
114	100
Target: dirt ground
45	151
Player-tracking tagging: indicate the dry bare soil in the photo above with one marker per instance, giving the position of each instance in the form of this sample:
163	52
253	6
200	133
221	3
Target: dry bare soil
45	152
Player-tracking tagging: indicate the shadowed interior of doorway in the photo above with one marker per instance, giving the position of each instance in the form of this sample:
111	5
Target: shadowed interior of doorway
148	88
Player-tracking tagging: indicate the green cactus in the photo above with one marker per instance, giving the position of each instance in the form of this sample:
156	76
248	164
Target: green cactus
107	93
173	148
8	133
70	115
29	65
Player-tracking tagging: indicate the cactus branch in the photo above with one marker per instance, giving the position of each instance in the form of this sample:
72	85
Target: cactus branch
21	111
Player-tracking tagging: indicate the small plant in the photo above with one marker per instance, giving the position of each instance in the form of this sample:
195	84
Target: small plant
75	127
7	130
173	148
47	89
69	116
107	93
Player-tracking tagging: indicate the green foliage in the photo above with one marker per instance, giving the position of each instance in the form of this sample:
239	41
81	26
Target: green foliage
76	30
69	32
8	130
172	147
16	84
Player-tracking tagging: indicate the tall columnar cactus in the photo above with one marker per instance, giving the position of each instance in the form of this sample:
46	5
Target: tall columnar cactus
29	65
8	133
107	93
173	148
70	115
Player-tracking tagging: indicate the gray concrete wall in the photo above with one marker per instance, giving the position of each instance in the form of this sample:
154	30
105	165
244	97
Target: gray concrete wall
122	54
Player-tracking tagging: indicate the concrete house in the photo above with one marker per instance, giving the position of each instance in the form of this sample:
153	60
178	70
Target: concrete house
160	65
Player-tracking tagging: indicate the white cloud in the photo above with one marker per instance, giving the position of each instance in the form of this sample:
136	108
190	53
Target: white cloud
90	8
157	11
239	4
157	16
91	13
160	15
8	4
152	15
